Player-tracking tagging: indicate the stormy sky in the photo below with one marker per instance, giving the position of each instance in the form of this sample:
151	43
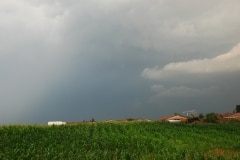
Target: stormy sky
113	59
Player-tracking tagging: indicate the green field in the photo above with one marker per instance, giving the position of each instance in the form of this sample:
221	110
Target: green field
132	140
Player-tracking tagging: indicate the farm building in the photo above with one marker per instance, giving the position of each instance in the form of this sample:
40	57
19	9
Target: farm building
177	119
235	116
174	118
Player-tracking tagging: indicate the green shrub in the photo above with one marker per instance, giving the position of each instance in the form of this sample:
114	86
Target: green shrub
211	117
201	116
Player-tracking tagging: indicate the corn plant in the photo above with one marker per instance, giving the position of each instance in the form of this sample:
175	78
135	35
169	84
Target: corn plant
133	140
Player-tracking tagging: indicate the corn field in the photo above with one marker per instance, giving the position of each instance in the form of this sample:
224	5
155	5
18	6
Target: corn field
132	140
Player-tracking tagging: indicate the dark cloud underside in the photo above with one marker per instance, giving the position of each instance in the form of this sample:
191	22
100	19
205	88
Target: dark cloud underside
77	60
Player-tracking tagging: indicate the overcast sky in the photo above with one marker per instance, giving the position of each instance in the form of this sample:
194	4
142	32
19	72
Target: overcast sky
113	59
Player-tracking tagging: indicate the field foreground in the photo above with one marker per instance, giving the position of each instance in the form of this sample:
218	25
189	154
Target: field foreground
136	140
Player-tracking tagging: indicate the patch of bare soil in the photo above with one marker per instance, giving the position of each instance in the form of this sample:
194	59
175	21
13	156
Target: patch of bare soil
223	153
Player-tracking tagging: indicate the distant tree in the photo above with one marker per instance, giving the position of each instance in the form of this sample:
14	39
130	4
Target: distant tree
92	120
201	116
211	117
130	119
238	108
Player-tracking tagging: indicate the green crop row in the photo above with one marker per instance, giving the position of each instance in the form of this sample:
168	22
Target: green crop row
136	140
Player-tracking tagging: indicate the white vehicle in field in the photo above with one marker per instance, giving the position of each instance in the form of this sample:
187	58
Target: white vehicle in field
57	123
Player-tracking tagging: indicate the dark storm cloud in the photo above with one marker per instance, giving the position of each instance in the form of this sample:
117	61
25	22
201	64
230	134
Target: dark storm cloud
75	60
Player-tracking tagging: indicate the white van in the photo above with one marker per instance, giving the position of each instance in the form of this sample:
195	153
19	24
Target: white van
57	123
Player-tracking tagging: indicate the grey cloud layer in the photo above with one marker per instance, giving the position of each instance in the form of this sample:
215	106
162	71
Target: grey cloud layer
71	59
